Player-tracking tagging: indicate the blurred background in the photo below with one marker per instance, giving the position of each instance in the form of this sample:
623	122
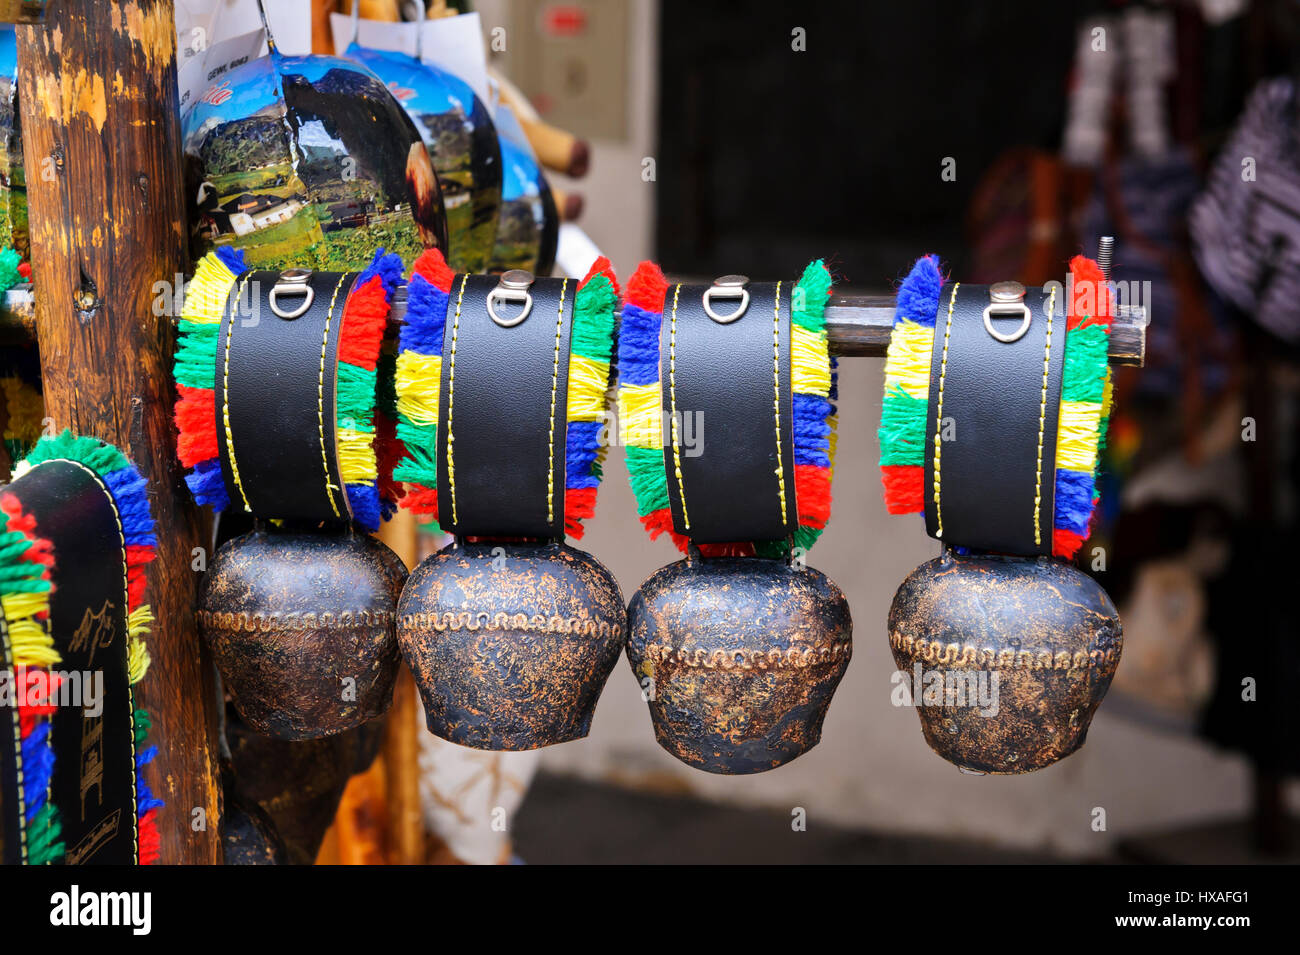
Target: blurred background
718	145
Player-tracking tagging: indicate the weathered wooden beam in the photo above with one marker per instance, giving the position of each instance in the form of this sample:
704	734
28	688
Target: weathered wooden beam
102	153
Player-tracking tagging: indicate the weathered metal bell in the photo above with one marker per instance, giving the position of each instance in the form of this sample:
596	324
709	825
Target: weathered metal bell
302	629
510	645
1021	649
738	659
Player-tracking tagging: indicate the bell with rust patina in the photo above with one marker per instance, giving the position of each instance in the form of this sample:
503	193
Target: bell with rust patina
738	659
509	633
301	627
1013	657
726	400
279	422
1008	648
511	646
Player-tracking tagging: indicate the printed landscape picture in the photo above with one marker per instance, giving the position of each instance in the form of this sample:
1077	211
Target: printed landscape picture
462	142
309	162
528	231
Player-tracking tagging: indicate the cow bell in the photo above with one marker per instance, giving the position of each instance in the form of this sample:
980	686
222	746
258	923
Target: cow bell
301	627
738	659
510	644
1009	657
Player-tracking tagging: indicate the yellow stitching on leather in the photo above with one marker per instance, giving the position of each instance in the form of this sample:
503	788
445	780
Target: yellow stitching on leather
330	489
938	414
776	402
555	384
1042	421
225	400
451	398
672	409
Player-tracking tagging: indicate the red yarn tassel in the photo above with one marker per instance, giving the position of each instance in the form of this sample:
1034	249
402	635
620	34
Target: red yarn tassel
579	504
422	500
647	287
365	316
904	488
148	832
196	419
434	268
812	488
602	266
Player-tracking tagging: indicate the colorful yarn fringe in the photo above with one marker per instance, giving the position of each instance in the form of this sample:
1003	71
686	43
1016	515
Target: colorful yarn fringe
419	377
814	379
130	498
25	589
1084	408
362	439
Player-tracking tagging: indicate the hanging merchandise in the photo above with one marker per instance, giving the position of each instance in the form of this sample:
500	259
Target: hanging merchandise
1245	226
306	161
13	181
462	143
726	405
77	534
1010	651
529	226
276	375
501	385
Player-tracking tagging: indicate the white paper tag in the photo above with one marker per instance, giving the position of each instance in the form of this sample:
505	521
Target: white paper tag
455	44
205	72
376	34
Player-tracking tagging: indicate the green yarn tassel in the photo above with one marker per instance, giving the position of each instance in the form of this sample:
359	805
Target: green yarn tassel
44	843
1084	374
355	397
902	429
809	301
9	274
645	471
97	456
196	354
593	320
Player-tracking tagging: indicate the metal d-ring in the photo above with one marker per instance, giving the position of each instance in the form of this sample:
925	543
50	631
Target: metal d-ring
727	287
512	288
293	282
1007	298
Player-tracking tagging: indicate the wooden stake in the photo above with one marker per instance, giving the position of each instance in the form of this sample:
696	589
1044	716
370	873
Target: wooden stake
101	137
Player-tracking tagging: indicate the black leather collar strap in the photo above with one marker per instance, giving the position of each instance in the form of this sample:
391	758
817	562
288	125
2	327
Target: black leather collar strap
94	770
729	415
11	806
502	418
276	382
990	451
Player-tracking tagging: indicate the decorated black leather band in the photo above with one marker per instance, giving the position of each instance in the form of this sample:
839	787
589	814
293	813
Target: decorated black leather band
275	394
502	416
94	781
728	415
991	424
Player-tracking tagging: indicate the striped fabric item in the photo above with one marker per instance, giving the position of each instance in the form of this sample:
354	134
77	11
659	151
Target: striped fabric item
419	377
1245	226
1084	408
813	379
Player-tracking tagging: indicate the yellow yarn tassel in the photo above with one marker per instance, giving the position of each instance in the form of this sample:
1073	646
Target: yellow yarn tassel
205	296
640	416
1076	438
32	644
137	654
588	380
418	380
810	372
356	456
907	364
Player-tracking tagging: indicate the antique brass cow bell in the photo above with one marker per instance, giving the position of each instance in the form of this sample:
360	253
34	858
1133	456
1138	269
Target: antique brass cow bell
726	403
278	420
501	383
995	398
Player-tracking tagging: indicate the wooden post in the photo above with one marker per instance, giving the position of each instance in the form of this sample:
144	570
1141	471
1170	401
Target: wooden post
102	153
